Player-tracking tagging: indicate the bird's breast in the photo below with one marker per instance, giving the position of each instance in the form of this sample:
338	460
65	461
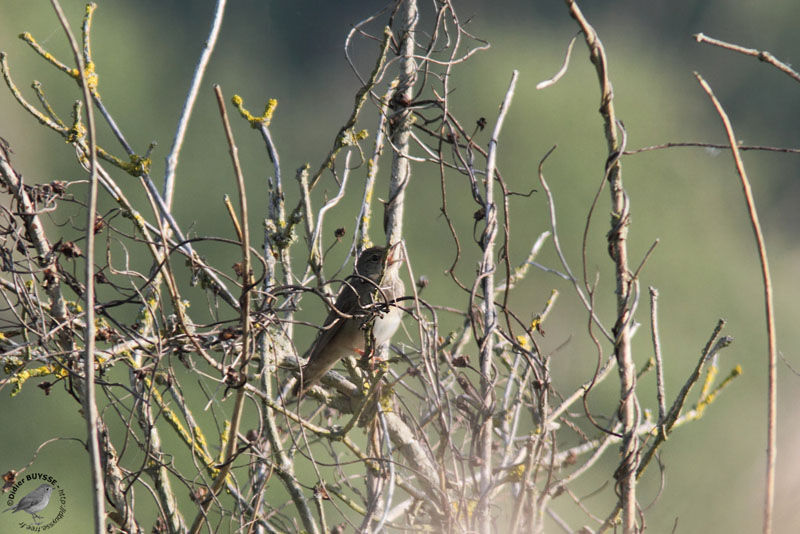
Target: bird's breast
386	325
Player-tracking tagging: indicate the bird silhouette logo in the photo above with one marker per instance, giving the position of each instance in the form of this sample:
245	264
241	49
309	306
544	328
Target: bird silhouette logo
34	502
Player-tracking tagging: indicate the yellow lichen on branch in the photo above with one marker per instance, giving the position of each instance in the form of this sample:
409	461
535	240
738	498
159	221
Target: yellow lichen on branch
255	121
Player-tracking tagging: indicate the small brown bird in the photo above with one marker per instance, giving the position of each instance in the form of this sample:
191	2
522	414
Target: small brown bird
344	336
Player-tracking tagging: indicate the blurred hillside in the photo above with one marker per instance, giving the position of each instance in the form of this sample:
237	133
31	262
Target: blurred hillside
705	266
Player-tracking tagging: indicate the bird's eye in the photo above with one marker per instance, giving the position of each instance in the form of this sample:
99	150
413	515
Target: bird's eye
375	257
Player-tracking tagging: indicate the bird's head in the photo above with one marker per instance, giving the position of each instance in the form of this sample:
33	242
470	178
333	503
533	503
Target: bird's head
376	260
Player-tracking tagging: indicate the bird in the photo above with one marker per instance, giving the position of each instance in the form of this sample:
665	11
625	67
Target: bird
33	502
377	267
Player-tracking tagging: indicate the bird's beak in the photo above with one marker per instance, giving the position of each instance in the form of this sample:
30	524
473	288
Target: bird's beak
395	254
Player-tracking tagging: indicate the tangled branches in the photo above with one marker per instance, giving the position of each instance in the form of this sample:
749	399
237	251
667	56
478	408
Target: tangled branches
417	434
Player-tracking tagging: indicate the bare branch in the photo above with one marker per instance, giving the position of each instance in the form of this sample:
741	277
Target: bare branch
769	310
761	55
90	400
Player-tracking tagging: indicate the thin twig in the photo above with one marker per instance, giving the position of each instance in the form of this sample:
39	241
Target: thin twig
247	283
562	71
316	237
486	343
662	403
760	54
171	162
90	400
714	345
772	355
714	146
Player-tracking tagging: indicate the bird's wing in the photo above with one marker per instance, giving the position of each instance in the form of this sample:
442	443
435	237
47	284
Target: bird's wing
347	304
25	501
320	360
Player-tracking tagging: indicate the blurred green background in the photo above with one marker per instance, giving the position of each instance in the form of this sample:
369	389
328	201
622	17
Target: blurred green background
705	266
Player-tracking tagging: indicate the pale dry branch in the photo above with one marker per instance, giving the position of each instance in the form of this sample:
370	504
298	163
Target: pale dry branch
762	55
89	393
188	105
769	312
617	242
